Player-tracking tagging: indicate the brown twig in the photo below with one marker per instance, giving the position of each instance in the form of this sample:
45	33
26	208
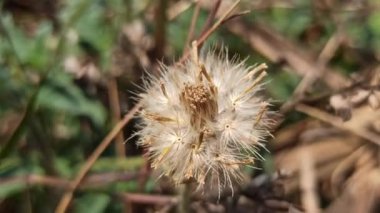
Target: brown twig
211	17
236	15
269	5
194	19
160	29
114	102
56	182
149	199
337	122
223	17
203	37
161	200
331	47
66	199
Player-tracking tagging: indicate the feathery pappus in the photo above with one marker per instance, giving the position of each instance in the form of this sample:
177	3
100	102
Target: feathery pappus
203	121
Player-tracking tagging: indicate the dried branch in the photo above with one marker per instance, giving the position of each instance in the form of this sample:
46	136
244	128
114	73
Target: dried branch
113	97
160	29
56	182
337	122
204	36
211	16
194	19
159	200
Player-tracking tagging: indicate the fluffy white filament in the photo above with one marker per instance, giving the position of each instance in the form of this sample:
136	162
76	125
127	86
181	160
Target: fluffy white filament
203	121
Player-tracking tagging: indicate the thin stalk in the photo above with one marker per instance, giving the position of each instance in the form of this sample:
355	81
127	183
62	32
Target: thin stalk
114	102
184	204
160	31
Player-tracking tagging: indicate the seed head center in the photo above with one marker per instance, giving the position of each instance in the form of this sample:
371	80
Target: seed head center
199	102
196	95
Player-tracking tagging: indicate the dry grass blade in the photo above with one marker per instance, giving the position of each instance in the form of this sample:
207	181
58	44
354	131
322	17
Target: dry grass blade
360	195
346	165
326	152
335	121
308	183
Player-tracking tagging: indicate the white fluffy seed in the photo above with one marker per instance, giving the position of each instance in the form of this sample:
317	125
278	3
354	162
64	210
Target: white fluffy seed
204	121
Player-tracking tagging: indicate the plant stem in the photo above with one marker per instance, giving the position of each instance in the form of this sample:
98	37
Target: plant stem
160	31
184	204
114	102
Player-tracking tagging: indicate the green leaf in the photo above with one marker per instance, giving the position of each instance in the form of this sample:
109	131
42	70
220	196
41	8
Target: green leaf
29	50
7	190
150	185
374	26
63	167
282	85
19	41
61	94
91	27
127	186
9	164
40	54
118	164
92	203
374	23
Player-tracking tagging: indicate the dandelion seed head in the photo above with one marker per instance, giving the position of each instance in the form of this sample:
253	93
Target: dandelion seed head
204	121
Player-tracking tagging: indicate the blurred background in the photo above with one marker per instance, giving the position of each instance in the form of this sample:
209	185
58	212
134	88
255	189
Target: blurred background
69	70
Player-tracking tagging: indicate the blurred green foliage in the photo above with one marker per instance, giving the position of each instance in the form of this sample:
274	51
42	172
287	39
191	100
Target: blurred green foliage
68	121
